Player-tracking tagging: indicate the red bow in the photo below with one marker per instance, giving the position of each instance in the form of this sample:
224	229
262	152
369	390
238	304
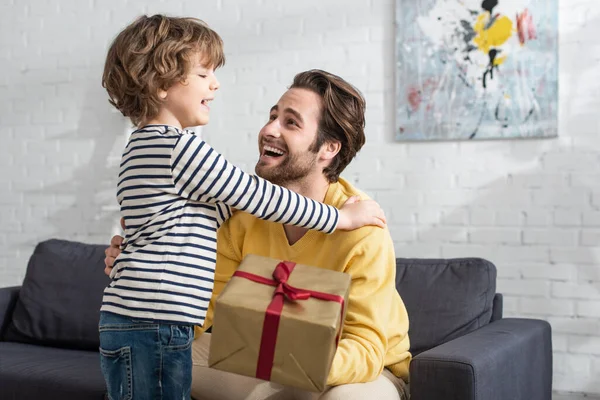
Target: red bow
281	274
283	289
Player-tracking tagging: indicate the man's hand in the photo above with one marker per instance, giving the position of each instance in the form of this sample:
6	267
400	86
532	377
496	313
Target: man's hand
112	252
356	213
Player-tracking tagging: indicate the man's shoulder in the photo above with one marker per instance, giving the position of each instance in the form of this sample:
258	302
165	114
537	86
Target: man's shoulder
342	190
367	237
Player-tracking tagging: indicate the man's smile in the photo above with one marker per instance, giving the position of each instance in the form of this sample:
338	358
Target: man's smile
272	151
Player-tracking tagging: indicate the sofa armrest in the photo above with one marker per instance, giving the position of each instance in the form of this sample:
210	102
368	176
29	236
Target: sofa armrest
8	299
507	359
497	307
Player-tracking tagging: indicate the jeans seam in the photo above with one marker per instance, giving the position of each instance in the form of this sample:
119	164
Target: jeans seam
130	375
160	369
179	347
184	346
124	328
128	365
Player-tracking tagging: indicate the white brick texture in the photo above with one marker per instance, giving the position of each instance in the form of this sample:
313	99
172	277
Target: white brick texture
531	207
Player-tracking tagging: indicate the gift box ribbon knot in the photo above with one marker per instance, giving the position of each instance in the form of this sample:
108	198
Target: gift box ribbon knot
283	290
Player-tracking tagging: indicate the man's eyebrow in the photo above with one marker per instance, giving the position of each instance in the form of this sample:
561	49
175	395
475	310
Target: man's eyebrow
294	113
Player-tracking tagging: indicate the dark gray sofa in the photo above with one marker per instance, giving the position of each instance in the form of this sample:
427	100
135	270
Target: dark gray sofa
49	326
463	349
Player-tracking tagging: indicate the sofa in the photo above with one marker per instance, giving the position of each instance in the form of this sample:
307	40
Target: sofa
462	346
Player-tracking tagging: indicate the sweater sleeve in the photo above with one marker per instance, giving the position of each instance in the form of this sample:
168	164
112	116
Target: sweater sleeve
362	347
202	174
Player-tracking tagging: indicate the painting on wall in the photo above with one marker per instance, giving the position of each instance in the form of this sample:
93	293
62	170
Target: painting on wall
476	69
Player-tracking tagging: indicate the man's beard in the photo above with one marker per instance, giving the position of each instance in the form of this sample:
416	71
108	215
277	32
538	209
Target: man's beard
293	169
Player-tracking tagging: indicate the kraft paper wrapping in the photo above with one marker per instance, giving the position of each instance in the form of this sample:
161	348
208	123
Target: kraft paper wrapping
307	331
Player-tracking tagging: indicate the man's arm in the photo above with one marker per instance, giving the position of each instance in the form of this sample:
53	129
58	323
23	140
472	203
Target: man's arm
112	252
362	348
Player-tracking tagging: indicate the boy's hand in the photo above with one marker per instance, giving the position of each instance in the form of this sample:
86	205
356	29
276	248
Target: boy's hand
356	213
112	252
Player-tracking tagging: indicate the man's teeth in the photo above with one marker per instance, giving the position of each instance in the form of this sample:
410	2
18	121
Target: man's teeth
273	150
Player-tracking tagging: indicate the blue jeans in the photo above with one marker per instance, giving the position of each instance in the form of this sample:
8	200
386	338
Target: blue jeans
145	360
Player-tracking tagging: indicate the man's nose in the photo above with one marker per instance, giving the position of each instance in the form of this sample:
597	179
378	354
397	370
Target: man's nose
272	129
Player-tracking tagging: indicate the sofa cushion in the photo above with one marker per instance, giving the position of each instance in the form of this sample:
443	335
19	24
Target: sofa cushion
60	299
35	372
445	299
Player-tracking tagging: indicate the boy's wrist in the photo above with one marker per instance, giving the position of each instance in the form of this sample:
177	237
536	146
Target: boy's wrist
343	221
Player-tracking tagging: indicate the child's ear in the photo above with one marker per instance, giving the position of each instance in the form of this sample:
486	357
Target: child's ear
162	94
330	149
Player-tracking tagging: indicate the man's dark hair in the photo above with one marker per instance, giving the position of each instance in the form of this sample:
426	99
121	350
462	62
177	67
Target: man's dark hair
342	116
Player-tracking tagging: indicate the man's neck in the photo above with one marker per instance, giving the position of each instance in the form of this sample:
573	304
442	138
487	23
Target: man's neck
313	188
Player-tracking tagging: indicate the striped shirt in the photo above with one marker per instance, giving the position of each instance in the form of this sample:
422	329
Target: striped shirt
175	191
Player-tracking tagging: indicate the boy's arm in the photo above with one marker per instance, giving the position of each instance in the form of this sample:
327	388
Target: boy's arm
202	174
224	212
363	345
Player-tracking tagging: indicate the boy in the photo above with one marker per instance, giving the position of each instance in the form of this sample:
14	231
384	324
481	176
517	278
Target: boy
175	191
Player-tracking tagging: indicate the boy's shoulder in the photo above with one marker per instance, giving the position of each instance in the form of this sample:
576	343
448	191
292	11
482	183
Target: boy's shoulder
162	135
153	132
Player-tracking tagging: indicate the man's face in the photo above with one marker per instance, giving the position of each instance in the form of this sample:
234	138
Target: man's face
285	142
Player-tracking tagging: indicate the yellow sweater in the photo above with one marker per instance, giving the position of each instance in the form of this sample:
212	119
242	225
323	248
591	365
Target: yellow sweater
375	332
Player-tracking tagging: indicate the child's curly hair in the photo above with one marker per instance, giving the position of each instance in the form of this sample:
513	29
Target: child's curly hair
152	54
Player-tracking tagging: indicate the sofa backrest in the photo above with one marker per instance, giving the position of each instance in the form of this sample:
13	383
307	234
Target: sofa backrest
59	301
445	298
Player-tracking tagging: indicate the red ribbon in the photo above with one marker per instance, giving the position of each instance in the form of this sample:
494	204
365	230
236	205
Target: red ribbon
283	289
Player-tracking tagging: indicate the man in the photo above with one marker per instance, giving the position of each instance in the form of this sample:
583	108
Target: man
312	134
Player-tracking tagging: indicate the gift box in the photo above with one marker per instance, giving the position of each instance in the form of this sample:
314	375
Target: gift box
279	321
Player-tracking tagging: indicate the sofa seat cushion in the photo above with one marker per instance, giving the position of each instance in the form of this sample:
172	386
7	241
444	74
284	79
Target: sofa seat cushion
445	298
35	372
59	302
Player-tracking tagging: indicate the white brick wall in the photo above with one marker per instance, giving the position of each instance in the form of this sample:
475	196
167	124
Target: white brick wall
532	207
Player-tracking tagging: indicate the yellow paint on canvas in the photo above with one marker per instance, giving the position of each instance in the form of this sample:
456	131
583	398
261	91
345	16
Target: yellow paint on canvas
494	36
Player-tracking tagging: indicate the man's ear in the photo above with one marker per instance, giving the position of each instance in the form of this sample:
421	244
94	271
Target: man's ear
330	149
